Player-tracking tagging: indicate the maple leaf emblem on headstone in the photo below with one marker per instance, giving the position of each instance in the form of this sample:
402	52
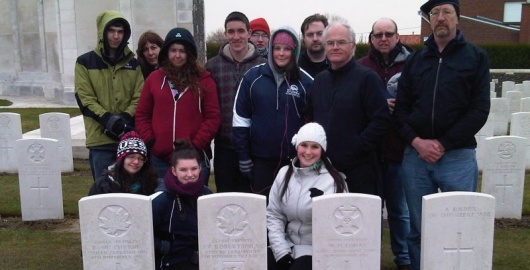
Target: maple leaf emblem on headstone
114	220
232	220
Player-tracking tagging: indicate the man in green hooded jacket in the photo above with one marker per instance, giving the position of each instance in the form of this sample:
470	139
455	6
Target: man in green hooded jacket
108	81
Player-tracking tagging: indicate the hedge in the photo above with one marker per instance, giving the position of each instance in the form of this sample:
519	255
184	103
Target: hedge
502	56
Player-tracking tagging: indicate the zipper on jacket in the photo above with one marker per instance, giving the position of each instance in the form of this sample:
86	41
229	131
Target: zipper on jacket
175	104
434	94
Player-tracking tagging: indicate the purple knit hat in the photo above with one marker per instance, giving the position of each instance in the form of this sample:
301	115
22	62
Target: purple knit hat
285	39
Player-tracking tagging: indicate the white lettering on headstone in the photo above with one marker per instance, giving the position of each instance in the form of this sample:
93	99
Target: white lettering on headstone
504	165
457	231
346	231
232	231
117	231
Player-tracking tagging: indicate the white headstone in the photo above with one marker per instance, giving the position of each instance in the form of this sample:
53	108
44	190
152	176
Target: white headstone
232	231
507	86
503	174
492	86
347	231
10	132
501	114
117	231
485	132
457	231
39	175
57	126
520	126
515	101
525	104
526	89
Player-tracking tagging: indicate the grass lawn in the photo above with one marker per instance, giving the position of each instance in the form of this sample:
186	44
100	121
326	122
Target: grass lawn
56	244
30	116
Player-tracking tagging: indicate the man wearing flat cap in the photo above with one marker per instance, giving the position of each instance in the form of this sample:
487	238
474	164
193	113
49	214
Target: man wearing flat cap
442	101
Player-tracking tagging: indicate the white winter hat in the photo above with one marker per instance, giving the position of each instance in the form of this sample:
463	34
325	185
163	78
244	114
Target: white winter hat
310	132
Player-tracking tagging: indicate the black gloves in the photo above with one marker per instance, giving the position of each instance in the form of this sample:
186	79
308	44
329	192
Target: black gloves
245	167
315	192
285	261
115	125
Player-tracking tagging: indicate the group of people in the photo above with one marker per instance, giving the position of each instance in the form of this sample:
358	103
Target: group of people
289	123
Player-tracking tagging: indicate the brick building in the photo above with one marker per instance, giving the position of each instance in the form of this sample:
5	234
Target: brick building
491	21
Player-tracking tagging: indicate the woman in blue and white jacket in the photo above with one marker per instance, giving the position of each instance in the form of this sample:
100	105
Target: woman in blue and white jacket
289	213
270	106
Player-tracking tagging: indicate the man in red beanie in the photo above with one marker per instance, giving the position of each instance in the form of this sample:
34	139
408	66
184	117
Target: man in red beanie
260	35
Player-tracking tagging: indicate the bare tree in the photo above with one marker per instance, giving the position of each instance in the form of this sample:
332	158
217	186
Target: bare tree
334	17
216	37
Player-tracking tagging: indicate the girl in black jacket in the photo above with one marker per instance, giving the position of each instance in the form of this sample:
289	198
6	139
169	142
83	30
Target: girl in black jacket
131	173
175	210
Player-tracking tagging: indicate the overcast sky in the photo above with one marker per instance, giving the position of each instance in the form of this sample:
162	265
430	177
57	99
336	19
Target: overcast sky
360	13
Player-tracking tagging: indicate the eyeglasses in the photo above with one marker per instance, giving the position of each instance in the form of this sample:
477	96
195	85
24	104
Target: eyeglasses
258	35
339	43
380	35
133	158
437	13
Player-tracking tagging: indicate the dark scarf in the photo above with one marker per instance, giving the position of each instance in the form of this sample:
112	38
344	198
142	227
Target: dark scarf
193	190
391	56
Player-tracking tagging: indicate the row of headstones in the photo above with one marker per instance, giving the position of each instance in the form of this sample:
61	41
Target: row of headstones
458	228
507	86
52	125
41	188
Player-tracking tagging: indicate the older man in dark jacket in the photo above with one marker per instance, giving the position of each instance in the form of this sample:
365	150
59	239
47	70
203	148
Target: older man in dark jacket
348	101
443	100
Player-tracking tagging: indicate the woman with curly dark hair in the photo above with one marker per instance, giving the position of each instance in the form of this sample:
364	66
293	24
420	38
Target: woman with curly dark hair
178	101
131	173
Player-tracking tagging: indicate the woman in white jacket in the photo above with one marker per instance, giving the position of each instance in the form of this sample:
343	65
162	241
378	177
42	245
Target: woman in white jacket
289	220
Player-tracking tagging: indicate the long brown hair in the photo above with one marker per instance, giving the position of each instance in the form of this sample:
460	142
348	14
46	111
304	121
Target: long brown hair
337	178
148	36
147	178
188	75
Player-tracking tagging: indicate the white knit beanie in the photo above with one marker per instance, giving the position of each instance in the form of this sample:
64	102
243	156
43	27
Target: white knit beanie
310	132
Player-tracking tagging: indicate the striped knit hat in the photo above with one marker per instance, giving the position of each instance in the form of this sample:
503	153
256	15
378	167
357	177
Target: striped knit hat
131	143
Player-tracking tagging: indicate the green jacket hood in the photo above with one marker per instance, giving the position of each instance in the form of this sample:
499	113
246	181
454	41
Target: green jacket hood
103	21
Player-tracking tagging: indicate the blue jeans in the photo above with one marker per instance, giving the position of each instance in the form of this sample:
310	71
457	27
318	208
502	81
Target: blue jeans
398	212
161	167
100	158
456	170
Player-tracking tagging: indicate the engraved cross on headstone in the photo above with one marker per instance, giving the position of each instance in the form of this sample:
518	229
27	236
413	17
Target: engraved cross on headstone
504	186
39	188
4	150
458	249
